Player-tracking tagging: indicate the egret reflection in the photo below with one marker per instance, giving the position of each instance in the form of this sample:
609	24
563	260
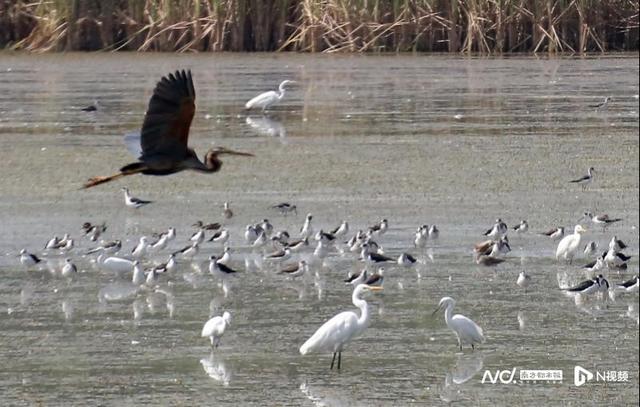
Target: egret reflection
216	368
266	126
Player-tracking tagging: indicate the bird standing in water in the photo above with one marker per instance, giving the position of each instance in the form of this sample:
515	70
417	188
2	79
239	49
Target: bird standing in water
165	133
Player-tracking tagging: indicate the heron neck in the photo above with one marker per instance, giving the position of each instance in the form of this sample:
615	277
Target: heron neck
363	320
448	314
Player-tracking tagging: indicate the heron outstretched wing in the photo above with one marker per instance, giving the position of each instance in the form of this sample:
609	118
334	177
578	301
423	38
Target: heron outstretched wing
165	130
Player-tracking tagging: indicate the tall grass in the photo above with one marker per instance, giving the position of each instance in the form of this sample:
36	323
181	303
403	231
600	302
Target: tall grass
478	26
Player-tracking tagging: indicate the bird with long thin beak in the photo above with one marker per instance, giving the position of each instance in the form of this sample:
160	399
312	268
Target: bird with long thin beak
165	134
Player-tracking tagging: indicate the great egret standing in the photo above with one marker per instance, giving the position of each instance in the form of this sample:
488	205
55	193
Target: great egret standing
267	99
569	244
215	327
465	329
165	132
341	329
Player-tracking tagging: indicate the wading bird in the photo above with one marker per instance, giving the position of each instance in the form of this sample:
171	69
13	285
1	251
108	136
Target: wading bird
215	327
569	244
267	99
585	179
341	329
165	133
467	331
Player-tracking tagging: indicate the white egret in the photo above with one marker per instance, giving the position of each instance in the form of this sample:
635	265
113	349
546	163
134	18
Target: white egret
341	329
267	99
465	329
215	327
569	244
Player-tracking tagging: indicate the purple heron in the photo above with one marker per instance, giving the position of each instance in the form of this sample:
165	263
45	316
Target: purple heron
165	133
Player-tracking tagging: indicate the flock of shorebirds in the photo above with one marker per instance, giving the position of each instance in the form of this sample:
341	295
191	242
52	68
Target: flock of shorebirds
163	150
300	254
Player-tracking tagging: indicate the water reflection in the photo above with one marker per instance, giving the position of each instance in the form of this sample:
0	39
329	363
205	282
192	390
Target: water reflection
266	126
465	368
117	292
216	368
329	396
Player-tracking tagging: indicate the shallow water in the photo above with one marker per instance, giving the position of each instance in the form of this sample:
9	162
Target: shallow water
450	141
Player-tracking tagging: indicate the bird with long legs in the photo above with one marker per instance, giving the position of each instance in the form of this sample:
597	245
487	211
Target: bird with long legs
267	99
334	334
165	133
467	331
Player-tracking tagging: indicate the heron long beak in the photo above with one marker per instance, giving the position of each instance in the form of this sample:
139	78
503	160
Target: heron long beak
375	288
435	311
233	152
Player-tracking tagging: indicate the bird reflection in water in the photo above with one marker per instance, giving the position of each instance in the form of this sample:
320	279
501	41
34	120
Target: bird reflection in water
465	368
266	126
216	368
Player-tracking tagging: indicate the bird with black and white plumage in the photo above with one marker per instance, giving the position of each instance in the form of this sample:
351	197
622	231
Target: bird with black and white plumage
221	236
133	202
321	235
434	232
615	259
266	226
280	255
68	269
92	107
141	249
295	270
28	259
285	208
421	237
261	240
370	256
407	260
93	232
341	230
52	243
226	256
522	227
616	244
219	269
376	279
307	228
602	220
524	279
593	266
159	244
590	248
357	278
592	286
322	250
198	236
602	105
250	234
498	230
629	286
554	234
379	228
297	245
111	247
207	226
281	239
188	252
585	179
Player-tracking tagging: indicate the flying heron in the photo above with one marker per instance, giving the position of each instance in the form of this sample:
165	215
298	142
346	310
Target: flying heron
165	133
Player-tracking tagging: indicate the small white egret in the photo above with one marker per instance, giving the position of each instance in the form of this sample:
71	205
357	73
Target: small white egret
569	244
267	99
215	327
341	329
465	329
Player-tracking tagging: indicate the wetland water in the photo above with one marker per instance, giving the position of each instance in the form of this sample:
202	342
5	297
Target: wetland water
450	141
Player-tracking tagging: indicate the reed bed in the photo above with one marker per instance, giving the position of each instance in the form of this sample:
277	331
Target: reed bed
469	26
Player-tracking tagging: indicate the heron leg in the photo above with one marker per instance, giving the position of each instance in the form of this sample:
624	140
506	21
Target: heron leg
333	360
472	347
339	359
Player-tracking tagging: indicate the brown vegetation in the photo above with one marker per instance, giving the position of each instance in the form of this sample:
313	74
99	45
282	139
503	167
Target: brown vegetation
482	26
